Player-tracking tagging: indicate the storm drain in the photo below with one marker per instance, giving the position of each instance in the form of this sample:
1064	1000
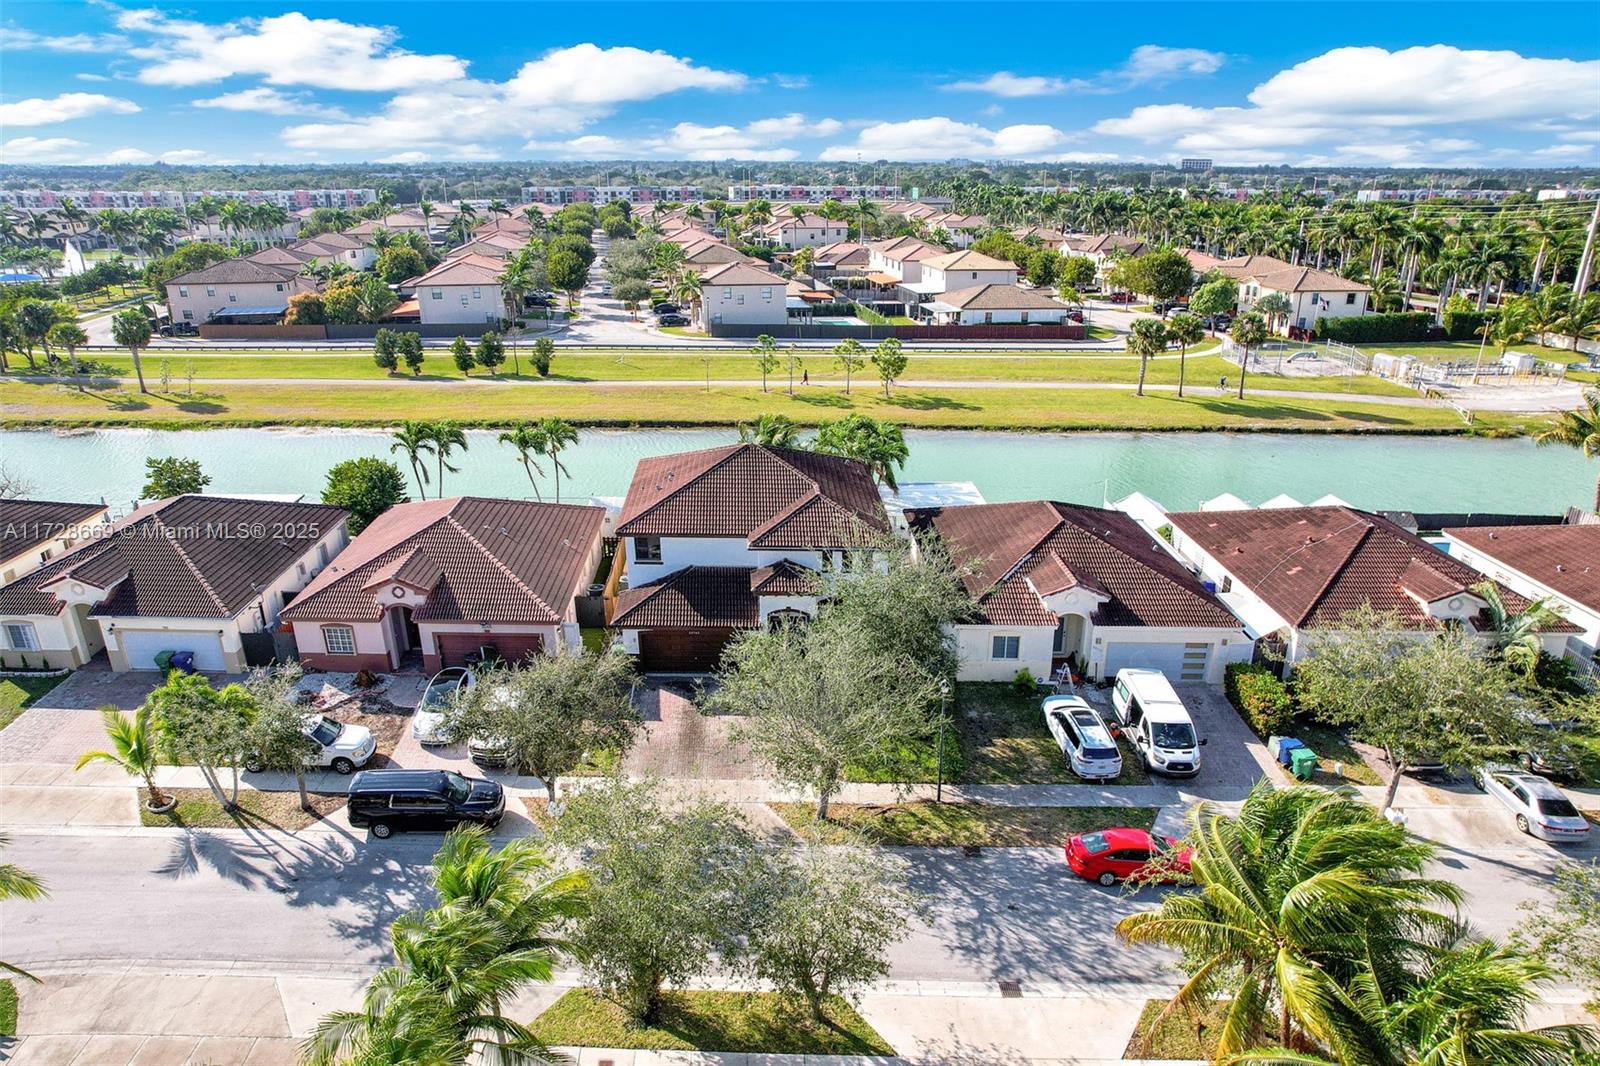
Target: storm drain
1010	989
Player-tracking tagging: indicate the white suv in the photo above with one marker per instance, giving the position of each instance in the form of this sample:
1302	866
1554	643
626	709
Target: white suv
1082	737
342	748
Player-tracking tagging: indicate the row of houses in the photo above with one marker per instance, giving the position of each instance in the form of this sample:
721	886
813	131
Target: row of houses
709	543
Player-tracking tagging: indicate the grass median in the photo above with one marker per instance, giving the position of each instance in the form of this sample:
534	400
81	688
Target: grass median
925	824
730	1022
198	809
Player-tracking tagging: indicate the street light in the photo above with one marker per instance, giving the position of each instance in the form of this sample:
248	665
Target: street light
944	698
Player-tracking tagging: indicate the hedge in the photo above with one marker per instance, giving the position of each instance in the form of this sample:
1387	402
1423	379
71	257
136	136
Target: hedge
1377	329
1259	696
1463	325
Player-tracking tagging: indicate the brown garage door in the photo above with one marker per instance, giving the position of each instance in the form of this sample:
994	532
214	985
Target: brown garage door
512	647
682	650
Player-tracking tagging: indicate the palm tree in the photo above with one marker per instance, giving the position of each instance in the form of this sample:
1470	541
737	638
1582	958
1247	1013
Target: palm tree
1516	633
1300	893
425	209
134	748
70	336
446	436
1249	330
1148	339
686	288
415	439
1185	329
879	445
17	883
1582	319
1578	429
558	434
517	885
529	441
774	431
130	327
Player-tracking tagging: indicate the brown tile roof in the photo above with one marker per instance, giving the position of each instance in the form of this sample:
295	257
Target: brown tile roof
739	274
468	269
480	560
842	253
906	249
237	272
281	256
187	557
809	222
967	259
1024	551
1106	243
783	578
691	598
713	254
1242	266
997	297
1312	565
1200	261
1565	559
773	497
1305	279
26	524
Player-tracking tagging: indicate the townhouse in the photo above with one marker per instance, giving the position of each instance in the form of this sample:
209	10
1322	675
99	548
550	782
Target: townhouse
741	294
462	290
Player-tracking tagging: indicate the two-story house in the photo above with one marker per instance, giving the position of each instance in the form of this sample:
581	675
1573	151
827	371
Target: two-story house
726	539
234	287
1557	564
900	259
953	271
461	290
1312	294
739	294
807	231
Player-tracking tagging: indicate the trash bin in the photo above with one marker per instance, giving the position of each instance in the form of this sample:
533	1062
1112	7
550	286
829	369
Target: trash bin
183	660
1303	763
1286	749
164	661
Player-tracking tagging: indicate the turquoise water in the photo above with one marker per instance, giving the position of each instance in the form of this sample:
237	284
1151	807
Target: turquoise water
1178	469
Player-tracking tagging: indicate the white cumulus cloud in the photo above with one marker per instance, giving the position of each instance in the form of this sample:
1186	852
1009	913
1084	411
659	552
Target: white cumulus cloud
40	111
270	102
941	137
1149	63
1004	83
763	139
39	149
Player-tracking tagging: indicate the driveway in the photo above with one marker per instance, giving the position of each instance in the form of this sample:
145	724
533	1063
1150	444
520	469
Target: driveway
1234	758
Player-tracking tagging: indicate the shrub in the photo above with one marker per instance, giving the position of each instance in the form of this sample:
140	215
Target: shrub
1259	696
1024	682
869	316
1377	329
1463	325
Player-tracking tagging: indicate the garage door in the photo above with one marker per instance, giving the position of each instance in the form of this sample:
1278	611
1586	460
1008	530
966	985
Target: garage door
143	645
682	651
1180	662
512	647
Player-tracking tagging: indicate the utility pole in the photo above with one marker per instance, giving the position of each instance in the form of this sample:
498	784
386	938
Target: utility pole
1586	263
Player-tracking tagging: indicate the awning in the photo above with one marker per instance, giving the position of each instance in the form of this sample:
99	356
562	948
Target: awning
878	278
237	312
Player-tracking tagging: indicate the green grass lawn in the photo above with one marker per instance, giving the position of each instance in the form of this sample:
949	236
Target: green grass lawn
198	808
1333	747
1004	740
736	1022
947	825
17	694
1179	1036
8	1008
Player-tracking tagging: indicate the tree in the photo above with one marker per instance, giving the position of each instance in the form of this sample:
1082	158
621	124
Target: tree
1076	271
410	350
1413	695
170	476
398	262
275	738
849	355
461	355
793	360
774	431
528	440
133	747
17	883
69	335
415	440
1148	339
386	350
445	436
1274	305
1215	297
491	352
306	309
130	327
366	487
1578	429
828	927
1161	275
373	299
879	444
1516	633
632	292
907	604
1184	329
890	360
673	889
34	318
1249	331
1564	930
1582	318
766	353
551	711
1293	892
205	726
817	697
558	435
544	352
568	272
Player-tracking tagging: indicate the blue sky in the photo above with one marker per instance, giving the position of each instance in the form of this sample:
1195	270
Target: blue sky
1320	84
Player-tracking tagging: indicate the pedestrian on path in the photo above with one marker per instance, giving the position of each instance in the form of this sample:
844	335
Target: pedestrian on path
805	377
1222	383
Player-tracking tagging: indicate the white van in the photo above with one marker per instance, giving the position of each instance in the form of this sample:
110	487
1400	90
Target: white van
1155	720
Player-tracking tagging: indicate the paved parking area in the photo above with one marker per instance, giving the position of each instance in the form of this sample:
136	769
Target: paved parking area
1233	760
97	685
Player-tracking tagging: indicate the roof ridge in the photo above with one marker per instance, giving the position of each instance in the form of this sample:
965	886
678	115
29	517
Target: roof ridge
177	547
1322	590
732	450
504	569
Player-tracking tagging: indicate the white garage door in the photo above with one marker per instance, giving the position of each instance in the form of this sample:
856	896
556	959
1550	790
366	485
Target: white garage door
1180	662
142	646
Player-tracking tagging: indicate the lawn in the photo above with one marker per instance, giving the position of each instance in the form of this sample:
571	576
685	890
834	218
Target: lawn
198	809
1004	740
8	1008
17	694
497	404
925	824
1180	1036
1333	747
918	761
736	1022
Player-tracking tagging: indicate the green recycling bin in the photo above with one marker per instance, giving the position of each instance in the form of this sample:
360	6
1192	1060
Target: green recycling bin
164	661
1303	763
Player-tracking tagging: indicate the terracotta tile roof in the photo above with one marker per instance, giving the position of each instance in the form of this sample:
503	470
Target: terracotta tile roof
783	578
1242	266
906	249
712	254
997	297
237	272
968	260
691	598
479	560
469	269
26	524
1024	551
779	497
1305	279
1312	565
739	274
1200	261
842	253
1564	559
188	557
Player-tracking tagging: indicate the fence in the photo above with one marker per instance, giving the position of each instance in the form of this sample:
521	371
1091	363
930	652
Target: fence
826	331
349	332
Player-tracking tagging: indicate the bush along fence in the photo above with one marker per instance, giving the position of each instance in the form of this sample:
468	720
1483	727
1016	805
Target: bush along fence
1390	328
1258	695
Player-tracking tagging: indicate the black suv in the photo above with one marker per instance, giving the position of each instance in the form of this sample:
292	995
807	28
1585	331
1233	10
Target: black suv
386	800
180	329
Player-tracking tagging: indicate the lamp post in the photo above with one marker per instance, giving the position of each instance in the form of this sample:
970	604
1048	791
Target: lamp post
944	699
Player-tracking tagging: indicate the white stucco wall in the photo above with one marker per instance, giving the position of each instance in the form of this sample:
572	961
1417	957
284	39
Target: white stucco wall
974	647
1581	646
196	303
371	638
811	236
1000	318
679	552
949	280
56	637
460	303
734	304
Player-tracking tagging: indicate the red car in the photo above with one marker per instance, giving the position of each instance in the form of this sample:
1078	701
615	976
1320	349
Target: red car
1113	855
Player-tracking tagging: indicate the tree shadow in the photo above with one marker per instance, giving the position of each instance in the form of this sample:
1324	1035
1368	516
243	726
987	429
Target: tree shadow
824	399
1277	412
925	402
128	401
202	407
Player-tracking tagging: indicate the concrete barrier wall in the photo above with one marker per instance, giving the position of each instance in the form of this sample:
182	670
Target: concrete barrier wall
263	333
810	331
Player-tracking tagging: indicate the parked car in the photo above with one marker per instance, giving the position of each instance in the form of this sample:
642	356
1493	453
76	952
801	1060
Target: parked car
1549	750
665	307
443	688
1114	855
1082	737
1217	323
341	747
1156	722
1075	315
488	751
1121	298
671	320
180	329
1540	808
387	800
